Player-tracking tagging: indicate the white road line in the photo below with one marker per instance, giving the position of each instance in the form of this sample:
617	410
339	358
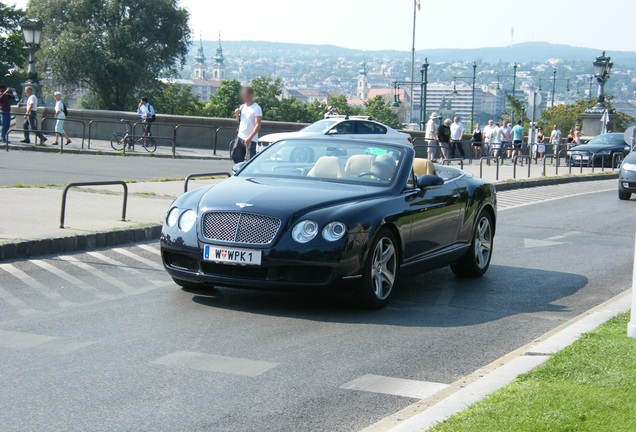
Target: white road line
71	279
125	267
18	340
123	286
394	386
150	249
153	264
22	308
30	281
215	363
554	199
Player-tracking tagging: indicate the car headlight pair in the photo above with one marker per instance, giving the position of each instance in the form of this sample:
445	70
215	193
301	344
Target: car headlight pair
629	167
185	220
306	230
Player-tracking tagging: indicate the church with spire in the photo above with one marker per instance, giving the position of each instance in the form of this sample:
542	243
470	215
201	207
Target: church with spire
362	92
218	68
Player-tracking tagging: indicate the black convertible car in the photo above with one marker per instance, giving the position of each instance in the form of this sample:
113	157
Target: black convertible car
607	150
331	214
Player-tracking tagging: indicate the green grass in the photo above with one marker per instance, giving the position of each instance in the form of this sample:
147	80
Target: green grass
589	386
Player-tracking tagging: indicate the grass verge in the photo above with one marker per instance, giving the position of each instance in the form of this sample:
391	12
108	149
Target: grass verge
589	386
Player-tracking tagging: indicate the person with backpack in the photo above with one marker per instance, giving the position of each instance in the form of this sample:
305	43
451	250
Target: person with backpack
7	97
147	114
60	115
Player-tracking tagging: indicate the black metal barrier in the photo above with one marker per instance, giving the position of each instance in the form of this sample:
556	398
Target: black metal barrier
35	131
216	138
488	159
104	183
448	162
66	120
202	175
545	157
90	127
211	128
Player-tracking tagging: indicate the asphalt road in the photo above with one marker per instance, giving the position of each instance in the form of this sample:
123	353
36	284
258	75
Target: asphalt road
26	167
104	342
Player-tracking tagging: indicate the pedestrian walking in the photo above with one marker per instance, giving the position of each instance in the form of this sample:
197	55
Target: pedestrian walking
506	141
517	140
60	115
457	133
477	140
555	139
495	140
539	147
147	114
578	134
489	130
444	137
7	97
431	137
31	117
249	117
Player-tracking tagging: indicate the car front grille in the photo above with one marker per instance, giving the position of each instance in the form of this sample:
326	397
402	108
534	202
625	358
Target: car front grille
238	227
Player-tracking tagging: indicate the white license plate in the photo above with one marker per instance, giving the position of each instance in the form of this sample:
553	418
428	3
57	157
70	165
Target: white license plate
579	157
232	255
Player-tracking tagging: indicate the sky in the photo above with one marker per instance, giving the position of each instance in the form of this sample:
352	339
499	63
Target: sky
388	24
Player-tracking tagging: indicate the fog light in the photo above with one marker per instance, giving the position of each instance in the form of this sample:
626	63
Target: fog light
626	185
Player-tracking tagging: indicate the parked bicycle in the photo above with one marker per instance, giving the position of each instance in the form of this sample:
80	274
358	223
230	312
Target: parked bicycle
121	140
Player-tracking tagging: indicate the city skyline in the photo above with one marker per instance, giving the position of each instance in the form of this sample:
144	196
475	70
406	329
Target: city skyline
356	23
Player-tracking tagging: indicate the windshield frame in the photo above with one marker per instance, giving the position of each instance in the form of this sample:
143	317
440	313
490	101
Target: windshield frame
332	123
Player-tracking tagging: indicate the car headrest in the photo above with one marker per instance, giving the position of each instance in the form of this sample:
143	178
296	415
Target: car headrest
423	167
357	164
326	167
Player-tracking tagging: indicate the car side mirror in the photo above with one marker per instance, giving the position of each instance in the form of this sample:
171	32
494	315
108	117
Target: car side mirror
238	167
332	132
429	182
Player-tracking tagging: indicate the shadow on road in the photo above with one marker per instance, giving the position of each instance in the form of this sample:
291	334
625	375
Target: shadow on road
435	299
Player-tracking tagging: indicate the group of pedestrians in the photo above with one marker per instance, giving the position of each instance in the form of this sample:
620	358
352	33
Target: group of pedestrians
447	137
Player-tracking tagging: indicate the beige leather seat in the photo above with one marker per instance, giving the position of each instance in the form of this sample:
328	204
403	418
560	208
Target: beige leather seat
423	167
326	167
357	164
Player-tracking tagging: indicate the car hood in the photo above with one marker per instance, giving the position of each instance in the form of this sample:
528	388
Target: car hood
595	148
281	197
286	135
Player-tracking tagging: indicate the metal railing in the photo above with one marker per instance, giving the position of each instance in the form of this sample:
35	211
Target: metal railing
448	162
203	175
488	159
545	158
211	128
66	120
103	183
30	131
92	122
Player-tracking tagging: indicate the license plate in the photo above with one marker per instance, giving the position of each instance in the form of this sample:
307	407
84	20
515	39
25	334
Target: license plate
232	255
579	157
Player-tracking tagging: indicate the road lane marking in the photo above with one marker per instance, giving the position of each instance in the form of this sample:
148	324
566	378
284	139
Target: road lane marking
72	279
19	340
22	308
127	253
394	386
124	266
215	363
150	249
122	286
36	285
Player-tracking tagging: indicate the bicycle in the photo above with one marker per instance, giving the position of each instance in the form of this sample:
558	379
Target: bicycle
120	140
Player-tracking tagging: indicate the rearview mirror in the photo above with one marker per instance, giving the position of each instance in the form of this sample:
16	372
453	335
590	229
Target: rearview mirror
237	167
429	182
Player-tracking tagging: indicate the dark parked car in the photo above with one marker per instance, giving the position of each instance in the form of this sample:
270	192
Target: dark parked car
353	217
603	150
627	177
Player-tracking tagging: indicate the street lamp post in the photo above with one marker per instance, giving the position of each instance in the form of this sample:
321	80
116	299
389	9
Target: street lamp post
32	35
423	89
554	72
472	104
602	68
514	91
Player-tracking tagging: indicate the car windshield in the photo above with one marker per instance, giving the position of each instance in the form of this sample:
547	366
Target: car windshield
320	126
608	139
329	160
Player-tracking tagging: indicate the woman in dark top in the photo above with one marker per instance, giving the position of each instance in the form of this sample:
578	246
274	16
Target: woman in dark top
7	97
444	136
477	139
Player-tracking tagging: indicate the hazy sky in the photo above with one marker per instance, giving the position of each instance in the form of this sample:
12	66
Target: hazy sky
387	24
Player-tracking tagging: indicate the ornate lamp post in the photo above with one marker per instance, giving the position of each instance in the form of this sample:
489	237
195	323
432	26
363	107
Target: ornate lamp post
32	35
423	89
602	68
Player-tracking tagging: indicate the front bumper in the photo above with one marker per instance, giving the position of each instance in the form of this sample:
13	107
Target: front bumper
627	181
287	266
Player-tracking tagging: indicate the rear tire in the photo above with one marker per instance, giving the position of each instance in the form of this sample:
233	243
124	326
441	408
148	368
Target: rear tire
476	261
149	144
380	273
189	285
118	142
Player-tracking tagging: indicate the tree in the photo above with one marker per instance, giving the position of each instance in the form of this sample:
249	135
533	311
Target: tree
341	105
569	116
11	45
176	100
115	48
380	110
267	92
225	101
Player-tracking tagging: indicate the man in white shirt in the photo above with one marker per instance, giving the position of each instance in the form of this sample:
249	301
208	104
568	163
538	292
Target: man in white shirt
555	139
31	117
489	130
457	133
250	117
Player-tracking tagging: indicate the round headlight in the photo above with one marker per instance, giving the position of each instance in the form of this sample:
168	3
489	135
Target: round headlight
173	216
187	220
305	231
334	231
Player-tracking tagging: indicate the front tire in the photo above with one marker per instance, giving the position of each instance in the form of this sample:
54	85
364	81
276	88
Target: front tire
624	196
118	142
150	145
380	272
476	261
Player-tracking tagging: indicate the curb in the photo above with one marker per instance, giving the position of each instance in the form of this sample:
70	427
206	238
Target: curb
31	248
530	183
13	147
480	384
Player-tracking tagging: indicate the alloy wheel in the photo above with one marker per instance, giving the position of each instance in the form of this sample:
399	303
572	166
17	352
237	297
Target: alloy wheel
383	268
483	243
